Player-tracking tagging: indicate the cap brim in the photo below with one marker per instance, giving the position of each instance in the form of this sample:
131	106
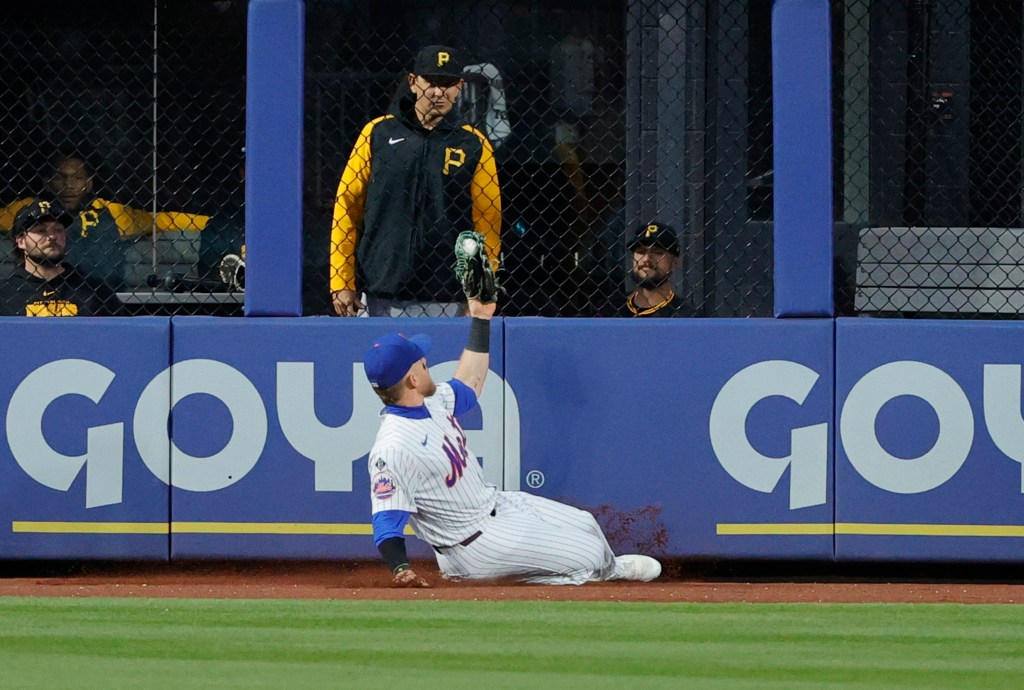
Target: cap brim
422	341
440	75
674	251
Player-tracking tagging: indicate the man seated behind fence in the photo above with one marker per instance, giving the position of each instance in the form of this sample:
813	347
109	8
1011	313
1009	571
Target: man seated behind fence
655	252
99	228
45	284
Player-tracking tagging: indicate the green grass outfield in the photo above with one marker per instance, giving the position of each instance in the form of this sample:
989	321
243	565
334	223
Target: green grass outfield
191	643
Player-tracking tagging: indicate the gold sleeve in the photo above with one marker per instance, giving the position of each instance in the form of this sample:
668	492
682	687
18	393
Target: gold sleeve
132	222
349	207
8	212
486	197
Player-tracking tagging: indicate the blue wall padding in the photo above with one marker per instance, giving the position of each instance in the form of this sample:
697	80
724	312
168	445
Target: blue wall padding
928	464
693	438
273	139
281	486
801	97
53	369
615	414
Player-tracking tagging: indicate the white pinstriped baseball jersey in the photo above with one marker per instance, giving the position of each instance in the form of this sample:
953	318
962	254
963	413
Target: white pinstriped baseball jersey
420	464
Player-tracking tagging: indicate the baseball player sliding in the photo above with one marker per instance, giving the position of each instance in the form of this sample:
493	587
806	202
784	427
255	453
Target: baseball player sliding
423	474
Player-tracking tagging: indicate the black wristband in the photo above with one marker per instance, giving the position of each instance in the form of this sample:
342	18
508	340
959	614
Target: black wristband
479	336
393	552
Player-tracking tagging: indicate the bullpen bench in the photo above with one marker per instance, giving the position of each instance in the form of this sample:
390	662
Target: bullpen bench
940	271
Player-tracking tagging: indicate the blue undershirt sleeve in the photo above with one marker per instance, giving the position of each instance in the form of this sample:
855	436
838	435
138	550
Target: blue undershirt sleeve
388	524
465	398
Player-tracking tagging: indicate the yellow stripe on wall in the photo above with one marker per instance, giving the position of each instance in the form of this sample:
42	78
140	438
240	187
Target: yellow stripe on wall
269	528
869	529
90	527
328	528
909	530
325	528
767	528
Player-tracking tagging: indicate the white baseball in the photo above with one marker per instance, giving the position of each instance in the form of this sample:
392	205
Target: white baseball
469	246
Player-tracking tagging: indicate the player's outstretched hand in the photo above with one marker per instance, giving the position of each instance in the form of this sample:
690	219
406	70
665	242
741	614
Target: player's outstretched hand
481	310
473	268
409	578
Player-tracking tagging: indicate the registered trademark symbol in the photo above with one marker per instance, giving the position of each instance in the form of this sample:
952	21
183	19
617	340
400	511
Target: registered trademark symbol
535	479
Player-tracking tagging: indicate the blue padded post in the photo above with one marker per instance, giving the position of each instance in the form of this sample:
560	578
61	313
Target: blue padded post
273	158
802	114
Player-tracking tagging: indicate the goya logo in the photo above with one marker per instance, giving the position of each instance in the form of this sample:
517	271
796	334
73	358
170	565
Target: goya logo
332	449
807	460
808	457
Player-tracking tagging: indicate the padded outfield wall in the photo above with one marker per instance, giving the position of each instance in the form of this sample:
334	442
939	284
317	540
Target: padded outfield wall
800	437
247	438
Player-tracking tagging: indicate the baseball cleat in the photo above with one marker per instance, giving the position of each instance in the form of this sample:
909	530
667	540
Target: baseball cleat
636	567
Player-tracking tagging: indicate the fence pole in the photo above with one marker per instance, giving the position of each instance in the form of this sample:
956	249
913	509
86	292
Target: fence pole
273	157
802	116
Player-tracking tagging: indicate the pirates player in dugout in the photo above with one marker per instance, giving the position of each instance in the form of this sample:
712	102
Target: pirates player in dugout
44	284
99	227
416	178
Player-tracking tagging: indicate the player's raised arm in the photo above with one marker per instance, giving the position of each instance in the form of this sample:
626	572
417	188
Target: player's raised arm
475	273
476	358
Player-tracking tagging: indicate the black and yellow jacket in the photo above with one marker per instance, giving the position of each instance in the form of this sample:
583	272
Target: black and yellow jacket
69	294
673	307
405	195
95	239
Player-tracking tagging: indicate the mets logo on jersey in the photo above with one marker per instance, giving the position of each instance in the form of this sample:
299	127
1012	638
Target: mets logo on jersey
384	486
457	453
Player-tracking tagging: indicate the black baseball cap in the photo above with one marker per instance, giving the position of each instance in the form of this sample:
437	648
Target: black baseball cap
438	61
37	212
657	234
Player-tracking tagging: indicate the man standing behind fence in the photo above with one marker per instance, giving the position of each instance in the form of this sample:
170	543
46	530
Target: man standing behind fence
416	178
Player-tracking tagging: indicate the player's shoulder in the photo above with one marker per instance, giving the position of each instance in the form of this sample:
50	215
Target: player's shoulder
466	127
383	122
399	435
19	204
8	212
377	124
388	453
475	136
100	204
444	392
443	400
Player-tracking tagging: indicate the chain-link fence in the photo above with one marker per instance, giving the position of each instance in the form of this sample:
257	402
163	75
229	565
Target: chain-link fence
929	157
603	119
600	121
125	119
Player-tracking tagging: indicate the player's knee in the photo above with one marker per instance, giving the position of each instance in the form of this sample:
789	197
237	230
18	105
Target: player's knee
596	553
591	524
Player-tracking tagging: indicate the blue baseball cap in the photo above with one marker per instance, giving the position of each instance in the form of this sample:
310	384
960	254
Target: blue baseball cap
389	358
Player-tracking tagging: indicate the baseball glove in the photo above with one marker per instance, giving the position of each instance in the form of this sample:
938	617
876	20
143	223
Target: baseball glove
473	268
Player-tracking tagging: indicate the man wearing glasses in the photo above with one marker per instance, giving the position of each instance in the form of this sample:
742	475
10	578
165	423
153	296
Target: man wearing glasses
44	284
416	178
